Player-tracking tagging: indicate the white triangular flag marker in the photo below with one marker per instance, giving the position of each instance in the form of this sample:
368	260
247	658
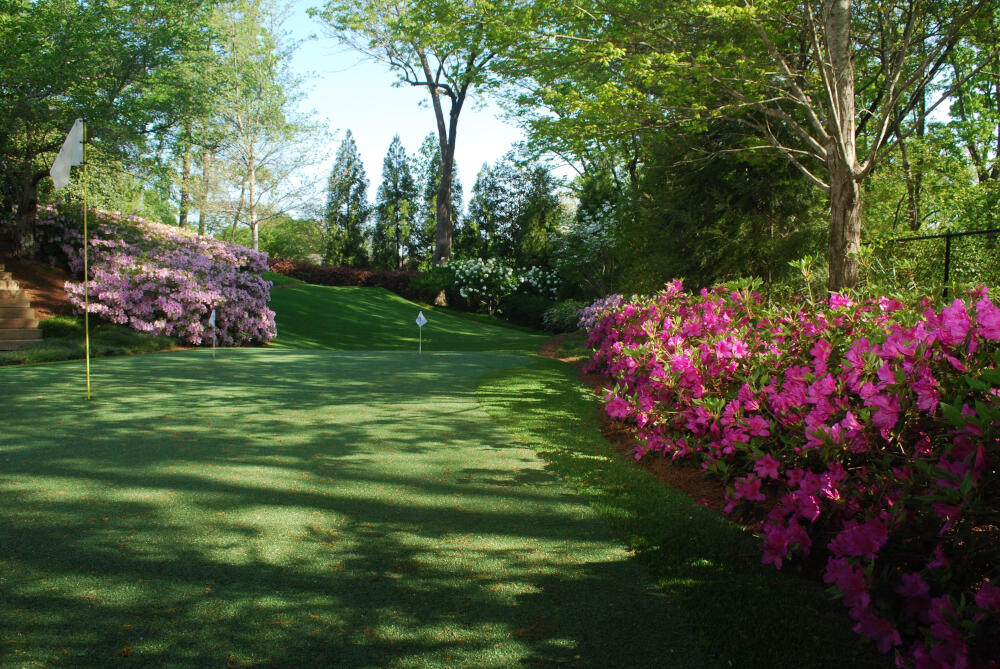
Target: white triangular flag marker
421	322
70	154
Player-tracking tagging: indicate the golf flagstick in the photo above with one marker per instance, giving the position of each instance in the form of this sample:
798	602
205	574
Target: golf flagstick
421	322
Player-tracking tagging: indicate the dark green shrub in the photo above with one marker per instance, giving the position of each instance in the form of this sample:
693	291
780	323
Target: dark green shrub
524	309
427	286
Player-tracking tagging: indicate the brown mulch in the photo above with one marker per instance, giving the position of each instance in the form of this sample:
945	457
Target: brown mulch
681	475
42	284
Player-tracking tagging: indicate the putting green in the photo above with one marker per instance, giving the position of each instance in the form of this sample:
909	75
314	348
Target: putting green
300	508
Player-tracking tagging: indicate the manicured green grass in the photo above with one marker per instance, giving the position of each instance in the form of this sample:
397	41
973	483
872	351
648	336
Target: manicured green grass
749	614
64	340
348	318
279	279
301	508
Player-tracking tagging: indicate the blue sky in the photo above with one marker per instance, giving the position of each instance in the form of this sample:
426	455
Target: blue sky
351	93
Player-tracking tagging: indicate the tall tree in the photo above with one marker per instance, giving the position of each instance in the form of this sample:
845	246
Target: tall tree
440	45
820	82
347	208
395	209
62	59
427	173
515	210
267	143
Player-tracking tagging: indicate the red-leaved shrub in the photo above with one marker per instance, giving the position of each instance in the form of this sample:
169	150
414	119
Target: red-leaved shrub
330	275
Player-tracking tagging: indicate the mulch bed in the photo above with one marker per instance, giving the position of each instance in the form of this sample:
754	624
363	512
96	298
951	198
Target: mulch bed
681	475
42	284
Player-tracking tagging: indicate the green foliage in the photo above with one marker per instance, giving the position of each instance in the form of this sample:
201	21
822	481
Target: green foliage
347	208
564	316
426	286
111	62
525	309
285	238
395	210
513	215
64	340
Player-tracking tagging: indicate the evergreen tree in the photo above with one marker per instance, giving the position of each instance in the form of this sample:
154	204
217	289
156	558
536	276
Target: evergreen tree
513	214
347	208
395	209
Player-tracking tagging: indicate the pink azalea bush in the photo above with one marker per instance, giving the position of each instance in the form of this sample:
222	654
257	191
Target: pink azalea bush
160	279
860	436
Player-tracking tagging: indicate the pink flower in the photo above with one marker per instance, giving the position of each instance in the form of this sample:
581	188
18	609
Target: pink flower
988	319
767	467
618	408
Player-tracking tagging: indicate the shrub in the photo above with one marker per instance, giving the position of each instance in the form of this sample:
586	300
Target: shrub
860	435
428	285
334	275
591	316
160	279
563	317
484	284
525	309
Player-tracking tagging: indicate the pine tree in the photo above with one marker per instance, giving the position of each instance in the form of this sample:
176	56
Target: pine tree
395	209
347	208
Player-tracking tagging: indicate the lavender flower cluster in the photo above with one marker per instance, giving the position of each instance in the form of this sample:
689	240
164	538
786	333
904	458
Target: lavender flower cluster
160	279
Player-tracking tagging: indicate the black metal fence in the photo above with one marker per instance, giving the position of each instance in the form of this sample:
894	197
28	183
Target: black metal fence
970	257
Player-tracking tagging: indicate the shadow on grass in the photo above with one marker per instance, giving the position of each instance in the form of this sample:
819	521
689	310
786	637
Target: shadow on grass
749	614
300	509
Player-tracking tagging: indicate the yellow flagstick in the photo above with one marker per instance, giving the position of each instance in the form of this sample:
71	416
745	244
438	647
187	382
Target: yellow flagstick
86	274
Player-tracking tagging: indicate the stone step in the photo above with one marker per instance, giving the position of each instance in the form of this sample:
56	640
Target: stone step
17	324
20	334
8	284
6	276
8	296
22	310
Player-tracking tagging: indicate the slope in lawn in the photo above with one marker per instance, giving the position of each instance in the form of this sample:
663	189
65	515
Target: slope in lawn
350	318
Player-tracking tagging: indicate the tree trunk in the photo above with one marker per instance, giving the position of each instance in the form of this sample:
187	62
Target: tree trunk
204	190
841	150
445	224
254	227
23	232
185	203
845	225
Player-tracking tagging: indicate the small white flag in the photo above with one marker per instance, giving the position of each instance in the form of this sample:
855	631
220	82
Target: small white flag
211	319
70	154
421	321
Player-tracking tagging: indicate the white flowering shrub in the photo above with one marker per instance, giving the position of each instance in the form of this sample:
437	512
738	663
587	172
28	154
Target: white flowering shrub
484	283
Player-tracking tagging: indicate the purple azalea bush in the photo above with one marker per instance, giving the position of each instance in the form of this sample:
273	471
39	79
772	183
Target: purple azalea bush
161	279
862	436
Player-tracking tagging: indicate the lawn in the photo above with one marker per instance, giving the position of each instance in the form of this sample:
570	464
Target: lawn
375	319
304	506
339	508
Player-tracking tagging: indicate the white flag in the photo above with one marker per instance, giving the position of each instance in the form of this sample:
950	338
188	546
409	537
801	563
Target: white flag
211	319
70	154
421	320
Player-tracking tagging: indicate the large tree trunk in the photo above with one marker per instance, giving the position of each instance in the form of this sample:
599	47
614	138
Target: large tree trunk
445	224
845	225
23	232
841	149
